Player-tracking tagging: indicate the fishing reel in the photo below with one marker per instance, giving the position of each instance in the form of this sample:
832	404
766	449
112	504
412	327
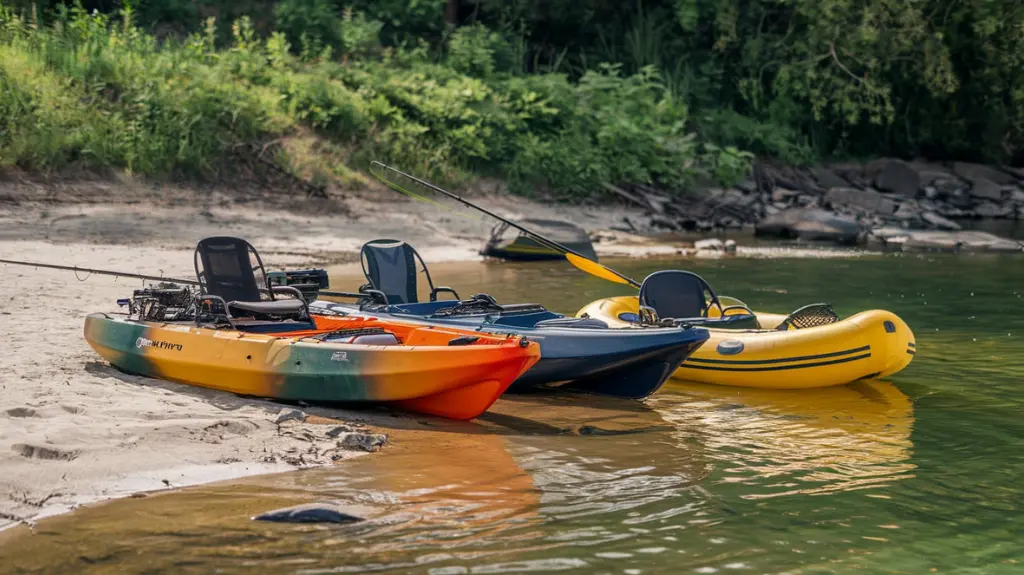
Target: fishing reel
165	302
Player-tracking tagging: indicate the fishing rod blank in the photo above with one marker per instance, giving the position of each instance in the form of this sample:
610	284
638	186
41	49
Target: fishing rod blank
101	272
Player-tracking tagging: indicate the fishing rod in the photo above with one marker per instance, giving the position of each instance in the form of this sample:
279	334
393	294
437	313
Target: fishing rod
576	259
143	276
99	272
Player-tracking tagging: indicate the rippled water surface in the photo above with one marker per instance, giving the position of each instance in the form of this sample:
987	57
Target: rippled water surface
921	474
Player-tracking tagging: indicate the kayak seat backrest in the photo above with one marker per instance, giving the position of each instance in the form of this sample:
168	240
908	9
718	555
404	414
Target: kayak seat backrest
677	294
390	267
227	267
230	270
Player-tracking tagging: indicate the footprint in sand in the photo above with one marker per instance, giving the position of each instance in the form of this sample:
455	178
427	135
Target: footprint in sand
22	412
40	452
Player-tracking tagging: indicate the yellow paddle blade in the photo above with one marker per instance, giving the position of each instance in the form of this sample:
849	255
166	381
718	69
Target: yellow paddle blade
597	270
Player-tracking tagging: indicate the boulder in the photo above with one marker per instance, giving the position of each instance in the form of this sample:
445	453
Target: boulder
810	224
899	178
1017	196
993	210
869	200
972	172
828	179
986	189
939	222
928	173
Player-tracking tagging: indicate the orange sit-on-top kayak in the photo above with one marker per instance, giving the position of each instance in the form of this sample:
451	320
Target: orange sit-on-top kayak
440	371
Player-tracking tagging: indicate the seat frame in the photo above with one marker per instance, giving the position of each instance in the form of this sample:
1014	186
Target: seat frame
301	313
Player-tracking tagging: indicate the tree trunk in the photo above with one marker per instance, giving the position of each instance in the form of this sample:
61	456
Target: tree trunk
451	12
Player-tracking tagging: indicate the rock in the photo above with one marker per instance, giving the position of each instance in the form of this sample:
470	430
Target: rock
806	200
1020	212
1017	196
309	513
710	244
748	186
986	189
899	178
730	246
663	222
810	224
972	172
364	441
946	188
289	415
928	173
335	432
906	211
771	210
937	221
984	241
869	200
889	232
828	179
783	195
992	210
930	192
932	241
1015	172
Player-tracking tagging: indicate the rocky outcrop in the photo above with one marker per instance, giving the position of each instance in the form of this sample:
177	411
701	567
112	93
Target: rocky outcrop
841	202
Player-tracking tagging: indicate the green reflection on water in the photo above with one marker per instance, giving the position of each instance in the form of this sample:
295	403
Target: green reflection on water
904	477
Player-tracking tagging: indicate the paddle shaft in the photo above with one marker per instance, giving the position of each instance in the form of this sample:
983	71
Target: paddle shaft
100	272
550	243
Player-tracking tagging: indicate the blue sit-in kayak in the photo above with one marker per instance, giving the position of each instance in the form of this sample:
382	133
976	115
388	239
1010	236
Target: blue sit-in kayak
578	353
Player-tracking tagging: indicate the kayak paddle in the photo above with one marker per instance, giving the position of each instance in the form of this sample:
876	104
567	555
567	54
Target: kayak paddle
580	262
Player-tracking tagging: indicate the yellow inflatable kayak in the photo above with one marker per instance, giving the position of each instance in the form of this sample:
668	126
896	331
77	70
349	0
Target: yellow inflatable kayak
869	344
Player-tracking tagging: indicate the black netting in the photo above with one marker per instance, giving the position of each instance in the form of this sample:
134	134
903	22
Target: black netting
675	294
813	315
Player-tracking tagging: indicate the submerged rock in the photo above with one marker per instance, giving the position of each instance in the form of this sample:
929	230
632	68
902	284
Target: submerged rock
309	513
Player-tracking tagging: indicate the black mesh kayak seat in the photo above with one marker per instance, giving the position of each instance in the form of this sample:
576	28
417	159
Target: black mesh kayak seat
685	296
813	315
676	294
390	267
231	274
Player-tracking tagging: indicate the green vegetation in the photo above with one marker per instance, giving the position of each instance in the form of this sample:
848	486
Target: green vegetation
563	95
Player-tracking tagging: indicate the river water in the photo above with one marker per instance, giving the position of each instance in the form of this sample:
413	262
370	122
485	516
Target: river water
915	475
